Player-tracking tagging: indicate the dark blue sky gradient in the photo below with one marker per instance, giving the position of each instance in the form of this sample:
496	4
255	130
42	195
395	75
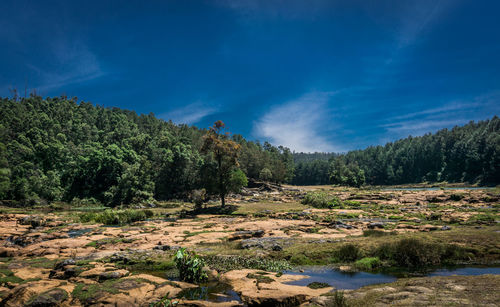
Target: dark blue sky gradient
311	75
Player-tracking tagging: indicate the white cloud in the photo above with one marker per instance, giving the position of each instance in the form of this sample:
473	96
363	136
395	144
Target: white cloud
190	114
297	124
448	115
72	63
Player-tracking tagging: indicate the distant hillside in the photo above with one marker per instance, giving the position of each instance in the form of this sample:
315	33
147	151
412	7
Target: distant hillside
470	153
58	149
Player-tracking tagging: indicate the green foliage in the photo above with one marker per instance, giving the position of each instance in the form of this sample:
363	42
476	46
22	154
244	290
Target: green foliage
265	174
470	153
346	174
348	253
484	218
237	181
165	302
411	253
4	171
59	150
222	176
86	292
318	285
198	197
190	266
116	217
260	278
228	263
311	169
7	276
321	200
367	263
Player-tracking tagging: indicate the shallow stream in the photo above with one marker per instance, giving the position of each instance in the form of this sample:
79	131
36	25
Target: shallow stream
356	280
219	292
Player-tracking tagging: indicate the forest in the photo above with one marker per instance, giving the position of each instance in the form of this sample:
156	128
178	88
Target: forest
470	153
61	149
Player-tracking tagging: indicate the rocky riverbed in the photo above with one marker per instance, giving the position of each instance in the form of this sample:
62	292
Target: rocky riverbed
52	258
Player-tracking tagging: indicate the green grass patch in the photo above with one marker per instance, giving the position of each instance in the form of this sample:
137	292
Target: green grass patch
228	263
7	276
261	278
367	263
86	292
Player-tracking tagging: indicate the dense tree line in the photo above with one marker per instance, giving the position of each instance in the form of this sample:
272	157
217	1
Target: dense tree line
312	168
470	153
60	149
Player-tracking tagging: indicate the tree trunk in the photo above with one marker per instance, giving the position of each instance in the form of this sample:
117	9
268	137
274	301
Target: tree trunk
221	182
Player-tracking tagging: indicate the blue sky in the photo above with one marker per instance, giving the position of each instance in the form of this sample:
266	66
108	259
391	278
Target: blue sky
310	75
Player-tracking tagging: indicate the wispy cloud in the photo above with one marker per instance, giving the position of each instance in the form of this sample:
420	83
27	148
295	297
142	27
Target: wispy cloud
417	18
191	113
289	9
297	124
448	115
71	63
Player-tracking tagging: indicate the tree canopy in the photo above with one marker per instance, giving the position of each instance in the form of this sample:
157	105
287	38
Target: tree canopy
470	153
224	152
61	149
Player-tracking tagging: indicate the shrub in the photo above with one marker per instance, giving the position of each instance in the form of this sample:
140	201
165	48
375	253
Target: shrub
228	263
367	263
116	217
385	251
348	253
190	266
485	218
265	174
321	200
416	253
198	197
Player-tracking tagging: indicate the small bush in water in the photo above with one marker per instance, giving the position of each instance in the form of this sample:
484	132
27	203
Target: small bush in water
190	266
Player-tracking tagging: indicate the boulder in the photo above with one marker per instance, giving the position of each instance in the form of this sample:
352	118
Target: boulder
273	292
113	274
246	234
53	297
376	225
32	220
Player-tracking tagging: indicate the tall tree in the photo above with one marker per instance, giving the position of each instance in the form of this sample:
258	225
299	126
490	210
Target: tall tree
224	152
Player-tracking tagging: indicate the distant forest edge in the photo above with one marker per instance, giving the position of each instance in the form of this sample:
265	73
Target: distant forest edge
470	153
61	149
